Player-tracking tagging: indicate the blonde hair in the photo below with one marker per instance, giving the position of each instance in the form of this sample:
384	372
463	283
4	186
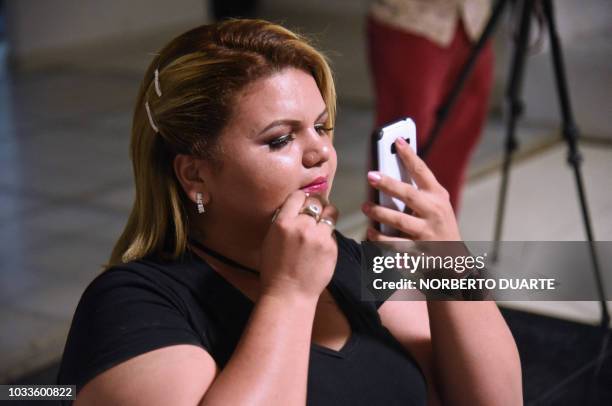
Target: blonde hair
200	74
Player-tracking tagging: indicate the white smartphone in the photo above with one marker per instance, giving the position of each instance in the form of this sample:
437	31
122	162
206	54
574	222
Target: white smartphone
386	161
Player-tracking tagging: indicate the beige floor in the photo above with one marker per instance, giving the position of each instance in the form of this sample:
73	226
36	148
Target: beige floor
542	205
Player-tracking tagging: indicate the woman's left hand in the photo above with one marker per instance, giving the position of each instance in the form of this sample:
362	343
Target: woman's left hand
432	217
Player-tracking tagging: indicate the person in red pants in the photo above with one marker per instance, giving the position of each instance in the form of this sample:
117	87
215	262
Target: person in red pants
416	50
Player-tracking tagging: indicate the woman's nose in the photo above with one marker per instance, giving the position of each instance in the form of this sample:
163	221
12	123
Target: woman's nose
317	149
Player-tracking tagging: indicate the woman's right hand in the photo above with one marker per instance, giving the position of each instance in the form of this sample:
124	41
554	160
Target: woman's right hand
299	254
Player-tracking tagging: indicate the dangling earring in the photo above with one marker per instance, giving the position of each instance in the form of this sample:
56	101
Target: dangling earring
200	203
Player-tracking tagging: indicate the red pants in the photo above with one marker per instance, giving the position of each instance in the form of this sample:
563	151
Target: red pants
412	76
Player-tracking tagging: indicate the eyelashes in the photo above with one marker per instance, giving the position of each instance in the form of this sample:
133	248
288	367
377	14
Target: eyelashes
322	130
284	140
280	142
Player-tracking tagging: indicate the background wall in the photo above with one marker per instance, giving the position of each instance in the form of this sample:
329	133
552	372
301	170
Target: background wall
37	29
57	31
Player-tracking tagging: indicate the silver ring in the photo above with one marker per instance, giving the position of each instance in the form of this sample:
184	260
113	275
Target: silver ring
328	222
275	215
312	210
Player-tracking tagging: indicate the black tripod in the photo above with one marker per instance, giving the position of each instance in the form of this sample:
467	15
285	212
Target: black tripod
514	110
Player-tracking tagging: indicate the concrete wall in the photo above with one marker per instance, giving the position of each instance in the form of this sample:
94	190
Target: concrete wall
42	30
585	30
37	27
322	6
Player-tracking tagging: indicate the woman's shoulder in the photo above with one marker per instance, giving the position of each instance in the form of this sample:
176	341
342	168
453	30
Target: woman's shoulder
127	310
126	279
142	289
152	274
135	289
131	273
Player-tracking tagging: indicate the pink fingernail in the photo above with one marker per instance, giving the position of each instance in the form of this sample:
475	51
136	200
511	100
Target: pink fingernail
374	176
401	141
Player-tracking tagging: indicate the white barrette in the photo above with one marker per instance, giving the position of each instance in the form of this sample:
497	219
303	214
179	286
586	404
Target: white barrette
151	117
157	87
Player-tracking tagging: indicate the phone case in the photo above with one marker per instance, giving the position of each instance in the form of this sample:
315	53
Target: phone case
386	161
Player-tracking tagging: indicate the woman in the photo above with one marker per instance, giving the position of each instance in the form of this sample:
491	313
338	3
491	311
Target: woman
229	285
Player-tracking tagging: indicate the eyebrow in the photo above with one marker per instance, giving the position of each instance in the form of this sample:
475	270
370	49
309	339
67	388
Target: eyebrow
276	123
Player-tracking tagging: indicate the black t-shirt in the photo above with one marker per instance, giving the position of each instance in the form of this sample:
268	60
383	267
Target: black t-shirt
148	304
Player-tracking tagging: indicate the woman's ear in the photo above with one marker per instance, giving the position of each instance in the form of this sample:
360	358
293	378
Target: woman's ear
189	171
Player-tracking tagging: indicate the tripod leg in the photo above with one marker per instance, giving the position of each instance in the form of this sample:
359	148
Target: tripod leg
513	111
570	134
449	101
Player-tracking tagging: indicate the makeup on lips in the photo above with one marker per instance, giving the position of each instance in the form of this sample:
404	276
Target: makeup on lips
318	185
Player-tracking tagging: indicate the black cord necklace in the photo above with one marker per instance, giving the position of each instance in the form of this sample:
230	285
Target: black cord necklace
221	257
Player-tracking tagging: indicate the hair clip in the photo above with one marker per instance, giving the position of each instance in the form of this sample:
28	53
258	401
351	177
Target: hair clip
157	87
151	117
